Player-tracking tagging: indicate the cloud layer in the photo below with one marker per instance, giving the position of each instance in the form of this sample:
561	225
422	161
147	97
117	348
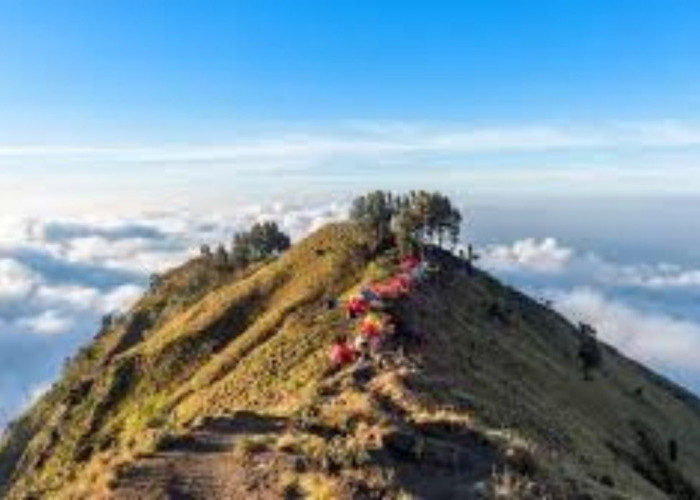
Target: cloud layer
360	138
575	159
650	337
545	255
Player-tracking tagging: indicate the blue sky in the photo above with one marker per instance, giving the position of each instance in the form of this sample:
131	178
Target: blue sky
176	97
133	71
131	131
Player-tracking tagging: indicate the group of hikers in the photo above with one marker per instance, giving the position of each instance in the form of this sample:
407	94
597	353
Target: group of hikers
372	312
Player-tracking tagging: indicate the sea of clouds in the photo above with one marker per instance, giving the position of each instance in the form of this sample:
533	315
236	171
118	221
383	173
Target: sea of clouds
59	276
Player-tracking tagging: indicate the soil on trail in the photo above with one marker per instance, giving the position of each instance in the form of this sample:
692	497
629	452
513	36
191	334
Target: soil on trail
204	464
436	460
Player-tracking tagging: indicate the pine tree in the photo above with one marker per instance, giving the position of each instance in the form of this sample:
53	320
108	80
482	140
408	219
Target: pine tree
221	257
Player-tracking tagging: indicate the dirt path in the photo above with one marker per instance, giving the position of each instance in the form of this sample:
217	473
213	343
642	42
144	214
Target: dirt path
203	465
431	460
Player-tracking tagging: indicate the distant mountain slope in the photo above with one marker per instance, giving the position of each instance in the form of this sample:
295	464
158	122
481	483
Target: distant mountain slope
217	384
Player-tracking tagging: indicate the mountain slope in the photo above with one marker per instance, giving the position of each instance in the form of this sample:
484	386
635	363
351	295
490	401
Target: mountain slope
217	384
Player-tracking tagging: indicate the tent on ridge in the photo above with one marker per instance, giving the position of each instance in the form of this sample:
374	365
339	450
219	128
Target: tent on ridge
372	325
342	353
393	287
409	263
357	306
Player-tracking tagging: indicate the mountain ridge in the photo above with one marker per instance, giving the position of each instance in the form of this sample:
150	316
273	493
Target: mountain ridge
494	395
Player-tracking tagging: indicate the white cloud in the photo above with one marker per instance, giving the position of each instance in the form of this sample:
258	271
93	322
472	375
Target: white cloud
652	338
16	280
549	256
518	160
120	298
659	277
139	255
49	322
73	296
367	138
546	255
36	391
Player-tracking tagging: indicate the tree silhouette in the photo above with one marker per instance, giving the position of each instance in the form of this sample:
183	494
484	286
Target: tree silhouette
221	257
589	351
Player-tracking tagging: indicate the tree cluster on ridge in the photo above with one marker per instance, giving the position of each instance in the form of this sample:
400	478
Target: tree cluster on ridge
417	217
262	240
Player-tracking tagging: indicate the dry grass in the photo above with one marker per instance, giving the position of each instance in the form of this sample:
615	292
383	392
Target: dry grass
319	487
252	445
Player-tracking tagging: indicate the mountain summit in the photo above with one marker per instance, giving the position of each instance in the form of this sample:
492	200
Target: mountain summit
219	384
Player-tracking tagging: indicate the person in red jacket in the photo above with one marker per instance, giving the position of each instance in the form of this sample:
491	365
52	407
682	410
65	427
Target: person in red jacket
342	353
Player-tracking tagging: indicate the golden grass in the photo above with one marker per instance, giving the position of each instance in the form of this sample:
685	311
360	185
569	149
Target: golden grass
319	487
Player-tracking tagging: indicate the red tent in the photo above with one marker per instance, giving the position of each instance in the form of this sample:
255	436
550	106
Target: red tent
409	263
385	290
342	353
357	306
403	282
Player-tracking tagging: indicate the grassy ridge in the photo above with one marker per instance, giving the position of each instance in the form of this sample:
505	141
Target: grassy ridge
199	329
209	342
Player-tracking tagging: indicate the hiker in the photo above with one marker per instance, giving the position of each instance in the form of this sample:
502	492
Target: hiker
342	353
589	351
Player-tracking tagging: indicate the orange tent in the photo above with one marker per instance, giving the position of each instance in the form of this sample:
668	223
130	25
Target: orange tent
372	325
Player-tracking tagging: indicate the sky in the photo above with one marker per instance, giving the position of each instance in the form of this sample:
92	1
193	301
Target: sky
132	131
